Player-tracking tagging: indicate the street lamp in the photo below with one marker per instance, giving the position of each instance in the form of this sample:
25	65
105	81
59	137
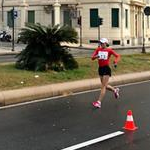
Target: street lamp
13	28
143	47
79	20
80	25
2	5
147	13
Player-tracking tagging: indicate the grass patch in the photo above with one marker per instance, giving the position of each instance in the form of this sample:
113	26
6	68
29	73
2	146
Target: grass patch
12	78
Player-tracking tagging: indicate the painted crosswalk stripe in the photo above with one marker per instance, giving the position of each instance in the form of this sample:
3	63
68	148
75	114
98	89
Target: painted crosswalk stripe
90	142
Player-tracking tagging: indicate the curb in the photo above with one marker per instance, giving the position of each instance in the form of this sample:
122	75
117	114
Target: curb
32	93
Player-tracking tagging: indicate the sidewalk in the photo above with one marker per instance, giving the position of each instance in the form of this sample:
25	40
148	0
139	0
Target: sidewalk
63	89
116	47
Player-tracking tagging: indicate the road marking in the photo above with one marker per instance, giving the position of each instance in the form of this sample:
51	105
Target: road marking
134	83
30	102
100	139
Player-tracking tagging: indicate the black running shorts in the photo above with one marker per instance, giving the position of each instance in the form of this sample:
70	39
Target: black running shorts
105	70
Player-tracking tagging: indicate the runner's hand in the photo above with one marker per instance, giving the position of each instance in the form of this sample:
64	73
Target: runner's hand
97	56
115	65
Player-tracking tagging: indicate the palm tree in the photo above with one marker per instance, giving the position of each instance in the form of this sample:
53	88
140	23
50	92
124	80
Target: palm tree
44	50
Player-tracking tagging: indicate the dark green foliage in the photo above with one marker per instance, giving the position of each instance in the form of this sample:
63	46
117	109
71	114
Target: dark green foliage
44	50
69	62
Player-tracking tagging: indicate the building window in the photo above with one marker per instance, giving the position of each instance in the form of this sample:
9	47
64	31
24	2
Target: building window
126	18
9	19
31	16
93	17
67	20
115	17
136	25
128	41
116	42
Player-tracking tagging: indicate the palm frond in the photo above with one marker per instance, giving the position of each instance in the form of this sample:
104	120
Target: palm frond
44	48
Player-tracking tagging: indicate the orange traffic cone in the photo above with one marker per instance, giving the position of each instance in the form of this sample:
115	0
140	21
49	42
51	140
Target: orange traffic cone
129	125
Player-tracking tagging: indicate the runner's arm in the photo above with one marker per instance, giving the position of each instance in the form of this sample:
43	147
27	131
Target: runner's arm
95	54
117	57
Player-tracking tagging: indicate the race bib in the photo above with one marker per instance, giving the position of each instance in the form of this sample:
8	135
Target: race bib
103	55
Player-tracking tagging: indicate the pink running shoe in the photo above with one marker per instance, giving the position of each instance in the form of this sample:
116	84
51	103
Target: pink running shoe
97	104
116	93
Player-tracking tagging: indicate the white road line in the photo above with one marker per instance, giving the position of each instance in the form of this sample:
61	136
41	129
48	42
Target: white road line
100	139
30	102
120	85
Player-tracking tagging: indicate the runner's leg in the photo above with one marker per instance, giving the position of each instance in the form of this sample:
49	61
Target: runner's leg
114	90
110	88
104	81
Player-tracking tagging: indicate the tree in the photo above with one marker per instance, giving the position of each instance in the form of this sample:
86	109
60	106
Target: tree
44	50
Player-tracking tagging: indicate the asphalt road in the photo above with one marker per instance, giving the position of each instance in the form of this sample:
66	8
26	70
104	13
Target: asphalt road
62	122
77	52
74	51
7	58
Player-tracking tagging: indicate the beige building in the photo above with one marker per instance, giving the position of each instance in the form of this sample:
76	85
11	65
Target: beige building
123	20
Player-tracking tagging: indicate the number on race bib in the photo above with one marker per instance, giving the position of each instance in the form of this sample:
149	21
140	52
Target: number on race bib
103	55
